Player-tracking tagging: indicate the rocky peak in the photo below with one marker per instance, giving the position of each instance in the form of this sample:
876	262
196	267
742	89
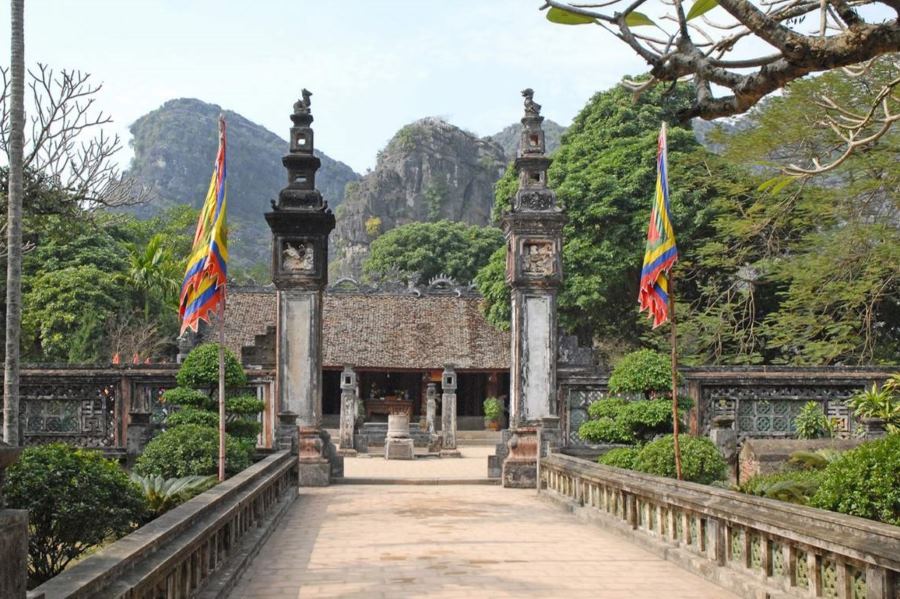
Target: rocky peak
430	170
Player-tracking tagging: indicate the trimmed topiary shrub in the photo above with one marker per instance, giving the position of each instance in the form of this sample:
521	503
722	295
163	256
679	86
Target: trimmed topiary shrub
701	461
620	457
191	449
864	482
76	500
200	369
644	371
198	378
616	420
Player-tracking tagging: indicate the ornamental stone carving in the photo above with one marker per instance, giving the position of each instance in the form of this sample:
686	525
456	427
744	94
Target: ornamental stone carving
538	258
298	257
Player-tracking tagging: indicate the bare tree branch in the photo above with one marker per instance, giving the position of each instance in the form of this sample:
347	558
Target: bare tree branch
66	138
841	38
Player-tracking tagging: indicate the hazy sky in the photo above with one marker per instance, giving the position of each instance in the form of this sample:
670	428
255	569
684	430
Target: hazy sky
373	65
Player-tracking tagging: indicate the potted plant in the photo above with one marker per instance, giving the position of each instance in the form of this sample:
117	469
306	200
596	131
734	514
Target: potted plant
493	410
878	409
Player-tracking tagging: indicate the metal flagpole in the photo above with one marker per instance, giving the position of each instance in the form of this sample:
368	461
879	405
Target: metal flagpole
222	388
674	375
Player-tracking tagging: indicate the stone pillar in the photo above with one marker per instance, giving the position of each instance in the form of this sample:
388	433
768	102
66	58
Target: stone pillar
348	411
14	532
301	222
723	435
533	231
430	407
448	414
398	445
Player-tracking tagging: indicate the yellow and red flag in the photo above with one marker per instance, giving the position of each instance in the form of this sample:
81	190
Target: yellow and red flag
661	253
203	289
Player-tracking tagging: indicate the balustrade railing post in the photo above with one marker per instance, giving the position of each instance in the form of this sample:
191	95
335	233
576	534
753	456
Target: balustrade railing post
814	573
630	509
715	531
877	583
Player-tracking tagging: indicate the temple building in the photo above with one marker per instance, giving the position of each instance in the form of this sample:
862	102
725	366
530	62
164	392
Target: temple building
397	338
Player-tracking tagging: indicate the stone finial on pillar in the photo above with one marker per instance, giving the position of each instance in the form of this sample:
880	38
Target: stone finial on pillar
14	532
348	411
448	413
301	223
533	231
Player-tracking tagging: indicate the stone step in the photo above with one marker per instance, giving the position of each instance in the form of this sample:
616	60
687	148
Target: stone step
359	480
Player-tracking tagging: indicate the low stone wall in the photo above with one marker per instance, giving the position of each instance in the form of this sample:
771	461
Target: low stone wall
752	546
765	456
198	549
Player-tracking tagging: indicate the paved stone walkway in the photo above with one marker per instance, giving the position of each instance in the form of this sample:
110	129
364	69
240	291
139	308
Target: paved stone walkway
472	464
466	541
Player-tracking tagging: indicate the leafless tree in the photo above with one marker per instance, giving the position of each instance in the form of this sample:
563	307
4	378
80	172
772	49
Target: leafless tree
67	139
712	42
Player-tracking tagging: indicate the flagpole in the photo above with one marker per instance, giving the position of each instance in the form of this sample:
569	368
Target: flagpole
222	388
674	374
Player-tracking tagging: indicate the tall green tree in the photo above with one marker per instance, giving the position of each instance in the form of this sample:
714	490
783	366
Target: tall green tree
604	174
802	274
14	224
430	249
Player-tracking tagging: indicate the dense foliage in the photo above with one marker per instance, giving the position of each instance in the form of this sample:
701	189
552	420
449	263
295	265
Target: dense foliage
76	500
133	268
701	461
617	420
799	274
162	494
645	371
864	482
604	174
811	422
794	486
191	450
428	249
620	457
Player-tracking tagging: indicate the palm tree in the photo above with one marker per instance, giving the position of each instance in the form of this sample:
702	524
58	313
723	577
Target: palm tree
14	225
154	272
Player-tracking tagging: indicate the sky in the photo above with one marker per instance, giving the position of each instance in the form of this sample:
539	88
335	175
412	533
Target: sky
372	65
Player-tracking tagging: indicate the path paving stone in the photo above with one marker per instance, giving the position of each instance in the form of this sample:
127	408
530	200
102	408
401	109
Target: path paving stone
452	541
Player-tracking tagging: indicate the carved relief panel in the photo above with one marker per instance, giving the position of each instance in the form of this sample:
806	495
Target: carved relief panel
538	259
297	256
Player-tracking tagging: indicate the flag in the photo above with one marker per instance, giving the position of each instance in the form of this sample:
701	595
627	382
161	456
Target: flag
203	289
661	252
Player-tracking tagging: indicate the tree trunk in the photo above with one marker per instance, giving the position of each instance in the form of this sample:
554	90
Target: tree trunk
11	433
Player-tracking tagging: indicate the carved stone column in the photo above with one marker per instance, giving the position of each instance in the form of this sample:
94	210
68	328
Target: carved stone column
448	414
533	230
14	532
301	222
430	407
348	411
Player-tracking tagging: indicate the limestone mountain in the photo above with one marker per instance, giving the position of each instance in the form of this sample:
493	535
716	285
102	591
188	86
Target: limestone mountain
174	147
430	170
509	137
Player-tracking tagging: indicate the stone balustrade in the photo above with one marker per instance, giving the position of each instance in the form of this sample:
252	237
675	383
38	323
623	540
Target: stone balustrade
753	546
198	549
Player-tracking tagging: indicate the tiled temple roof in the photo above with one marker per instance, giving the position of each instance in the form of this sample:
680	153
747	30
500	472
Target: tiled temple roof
391	330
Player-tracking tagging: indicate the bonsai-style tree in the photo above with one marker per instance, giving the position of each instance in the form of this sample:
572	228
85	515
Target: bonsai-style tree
189	445
643	373
197	394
